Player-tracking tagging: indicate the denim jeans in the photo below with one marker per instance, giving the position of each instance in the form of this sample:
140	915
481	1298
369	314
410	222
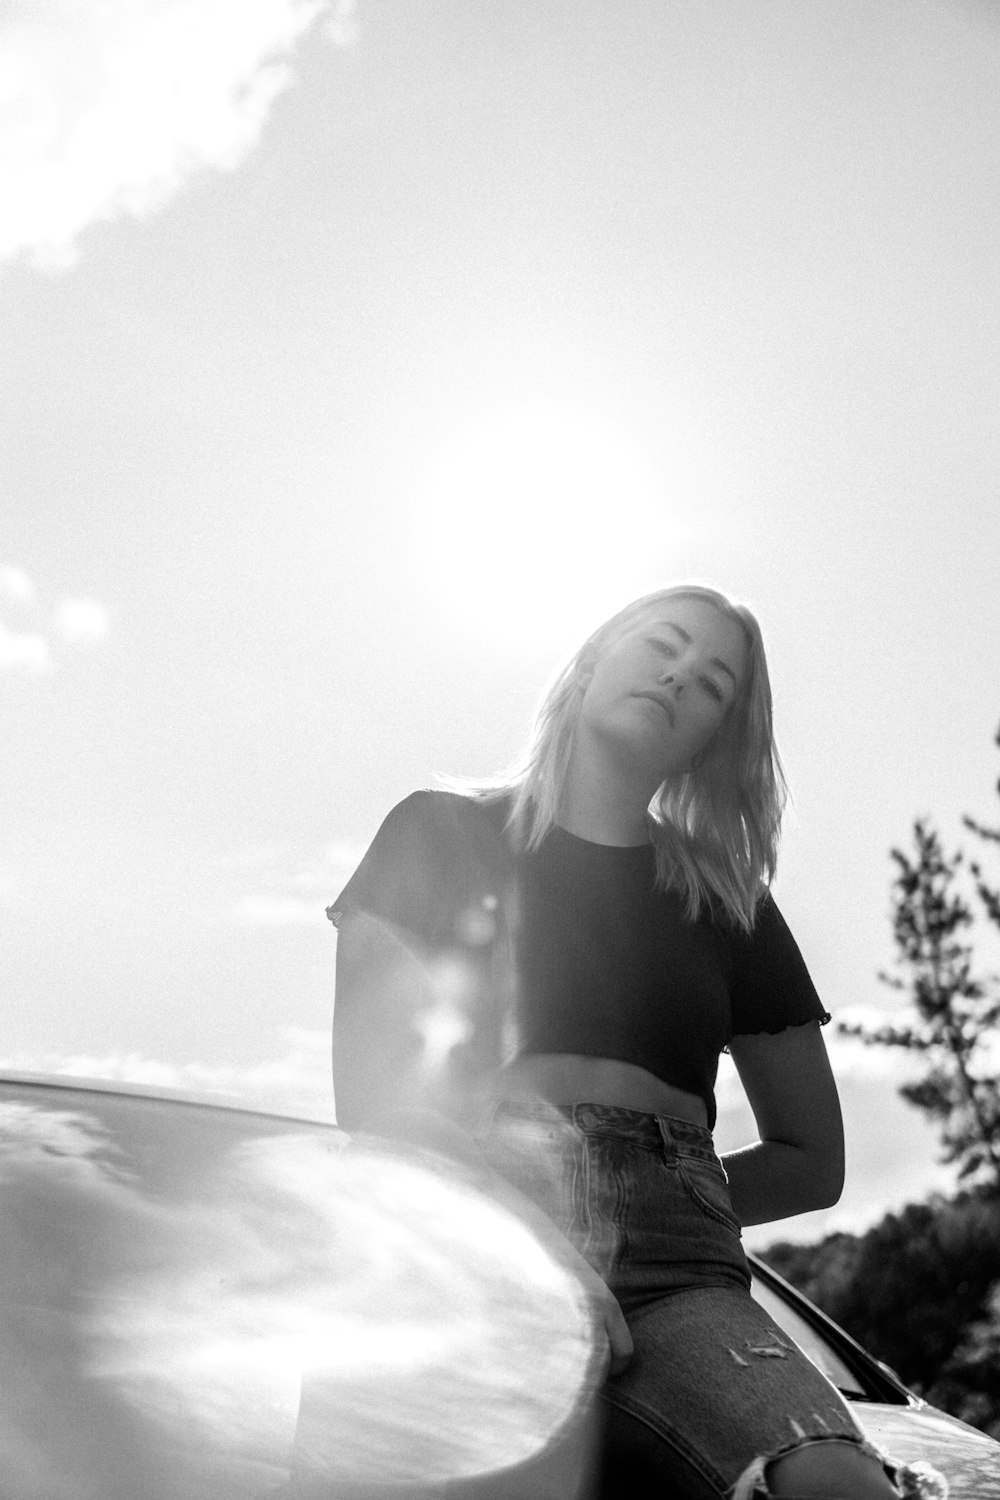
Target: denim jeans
714	1385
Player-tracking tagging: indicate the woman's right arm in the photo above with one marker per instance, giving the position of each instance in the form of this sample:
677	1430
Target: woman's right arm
382	990
384	1084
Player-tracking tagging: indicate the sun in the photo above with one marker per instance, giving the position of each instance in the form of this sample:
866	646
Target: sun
533	520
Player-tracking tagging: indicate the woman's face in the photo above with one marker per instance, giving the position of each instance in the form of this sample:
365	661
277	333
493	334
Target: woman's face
659	694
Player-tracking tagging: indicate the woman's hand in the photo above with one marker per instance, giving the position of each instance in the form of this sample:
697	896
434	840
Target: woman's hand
608	1316
620	1345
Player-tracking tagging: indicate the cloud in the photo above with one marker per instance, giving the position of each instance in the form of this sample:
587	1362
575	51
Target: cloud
26	645
16	586
24	650
109	109
80	621
295	1082
892	1151
290	887
277	911
20	650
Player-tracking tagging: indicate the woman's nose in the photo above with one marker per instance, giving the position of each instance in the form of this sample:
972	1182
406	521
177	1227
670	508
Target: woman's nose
673	679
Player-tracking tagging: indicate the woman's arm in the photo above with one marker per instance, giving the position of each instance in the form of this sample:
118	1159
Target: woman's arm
798	1163
386	1082
384	994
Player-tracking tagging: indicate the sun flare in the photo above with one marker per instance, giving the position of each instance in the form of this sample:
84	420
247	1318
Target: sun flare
535	519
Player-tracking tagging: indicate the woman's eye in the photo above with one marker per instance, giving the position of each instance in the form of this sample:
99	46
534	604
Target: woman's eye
712	688
664	647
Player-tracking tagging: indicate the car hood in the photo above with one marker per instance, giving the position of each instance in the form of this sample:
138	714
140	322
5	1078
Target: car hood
214	1300
912	1434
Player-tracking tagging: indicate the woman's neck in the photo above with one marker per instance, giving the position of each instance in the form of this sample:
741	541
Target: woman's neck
599	804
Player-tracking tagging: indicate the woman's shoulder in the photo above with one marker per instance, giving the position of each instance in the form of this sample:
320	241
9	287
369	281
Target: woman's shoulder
769	925
459	832
435	851
772	984
446	808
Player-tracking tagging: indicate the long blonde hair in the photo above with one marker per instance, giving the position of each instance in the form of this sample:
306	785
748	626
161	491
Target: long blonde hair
715	828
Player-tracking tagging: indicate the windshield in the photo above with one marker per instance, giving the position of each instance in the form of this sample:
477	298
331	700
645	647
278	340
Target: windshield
808	1339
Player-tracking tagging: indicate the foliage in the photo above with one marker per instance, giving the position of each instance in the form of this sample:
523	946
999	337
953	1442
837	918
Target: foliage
954	1012
969	1383
921	1291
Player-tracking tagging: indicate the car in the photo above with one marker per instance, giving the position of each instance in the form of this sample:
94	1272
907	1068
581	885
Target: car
892	1417
205	1300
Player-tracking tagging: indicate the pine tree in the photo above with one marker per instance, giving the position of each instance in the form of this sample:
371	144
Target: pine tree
953	1012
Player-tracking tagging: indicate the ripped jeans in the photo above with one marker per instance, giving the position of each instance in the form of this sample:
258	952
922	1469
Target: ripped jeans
714	1385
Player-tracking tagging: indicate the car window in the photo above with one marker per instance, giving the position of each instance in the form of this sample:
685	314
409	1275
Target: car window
808	1339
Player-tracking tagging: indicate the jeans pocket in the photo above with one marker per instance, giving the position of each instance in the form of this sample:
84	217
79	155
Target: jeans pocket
705	1181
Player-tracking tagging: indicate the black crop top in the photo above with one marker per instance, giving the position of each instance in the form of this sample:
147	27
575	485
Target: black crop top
607	964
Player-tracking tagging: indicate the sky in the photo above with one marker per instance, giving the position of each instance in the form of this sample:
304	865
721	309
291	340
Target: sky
358	357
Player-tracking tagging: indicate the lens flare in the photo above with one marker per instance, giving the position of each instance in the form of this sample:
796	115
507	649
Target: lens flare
284	1304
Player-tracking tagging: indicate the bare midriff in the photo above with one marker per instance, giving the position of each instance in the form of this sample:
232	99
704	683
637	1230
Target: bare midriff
569	1078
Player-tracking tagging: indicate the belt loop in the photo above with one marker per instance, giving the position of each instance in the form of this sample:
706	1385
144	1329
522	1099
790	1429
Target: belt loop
669	1144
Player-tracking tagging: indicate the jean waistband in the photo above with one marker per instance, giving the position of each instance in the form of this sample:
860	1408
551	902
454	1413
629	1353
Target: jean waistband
628	1124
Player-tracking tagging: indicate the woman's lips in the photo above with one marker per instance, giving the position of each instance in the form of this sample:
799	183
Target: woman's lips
661	702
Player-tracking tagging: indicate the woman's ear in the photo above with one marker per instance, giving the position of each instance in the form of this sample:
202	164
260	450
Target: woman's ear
584	671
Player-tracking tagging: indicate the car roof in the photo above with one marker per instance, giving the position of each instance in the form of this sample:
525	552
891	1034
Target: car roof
126	1088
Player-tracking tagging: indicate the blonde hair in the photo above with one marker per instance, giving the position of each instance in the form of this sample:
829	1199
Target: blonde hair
716	827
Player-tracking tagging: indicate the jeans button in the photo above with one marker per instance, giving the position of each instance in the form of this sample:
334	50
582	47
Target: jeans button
587	1117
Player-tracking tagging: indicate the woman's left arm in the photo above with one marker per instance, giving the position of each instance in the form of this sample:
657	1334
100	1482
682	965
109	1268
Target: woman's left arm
798	1163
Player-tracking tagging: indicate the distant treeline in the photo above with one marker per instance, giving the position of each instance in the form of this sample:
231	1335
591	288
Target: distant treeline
921	1291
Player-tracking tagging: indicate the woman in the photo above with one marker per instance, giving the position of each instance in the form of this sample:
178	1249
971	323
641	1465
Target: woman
554	964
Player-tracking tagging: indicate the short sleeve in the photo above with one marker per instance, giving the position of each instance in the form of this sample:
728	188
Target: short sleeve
434	868
399	873
772	988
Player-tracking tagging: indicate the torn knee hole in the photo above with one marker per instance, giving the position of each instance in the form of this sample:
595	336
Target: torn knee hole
752	1483
917	1481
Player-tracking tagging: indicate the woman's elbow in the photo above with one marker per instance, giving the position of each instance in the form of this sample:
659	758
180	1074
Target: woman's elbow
830	1193
826	1177
348	1108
